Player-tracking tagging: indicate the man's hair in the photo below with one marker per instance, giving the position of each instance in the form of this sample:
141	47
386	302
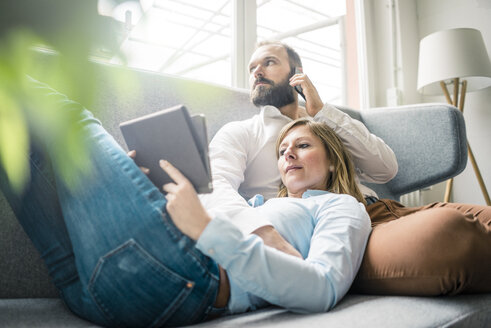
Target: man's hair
293	57
342	173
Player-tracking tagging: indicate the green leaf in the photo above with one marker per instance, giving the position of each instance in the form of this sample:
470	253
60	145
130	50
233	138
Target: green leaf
14	143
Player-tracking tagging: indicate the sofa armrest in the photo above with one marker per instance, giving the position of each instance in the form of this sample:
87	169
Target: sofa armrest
429	141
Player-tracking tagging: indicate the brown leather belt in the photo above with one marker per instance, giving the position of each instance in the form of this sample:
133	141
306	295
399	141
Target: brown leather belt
223	290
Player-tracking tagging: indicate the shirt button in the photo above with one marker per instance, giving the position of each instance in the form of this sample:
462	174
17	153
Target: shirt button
211	251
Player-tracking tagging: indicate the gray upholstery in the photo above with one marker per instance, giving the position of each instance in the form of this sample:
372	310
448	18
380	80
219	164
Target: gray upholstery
429	141
352	312
22	272
39	313
375	311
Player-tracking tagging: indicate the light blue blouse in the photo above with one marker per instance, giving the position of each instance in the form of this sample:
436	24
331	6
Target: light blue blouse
329	230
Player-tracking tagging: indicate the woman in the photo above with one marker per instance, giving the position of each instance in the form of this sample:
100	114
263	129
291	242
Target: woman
311	160
119	259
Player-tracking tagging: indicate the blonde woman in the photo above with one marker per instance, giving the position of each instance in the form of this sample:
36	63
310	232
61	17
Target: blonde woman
313	212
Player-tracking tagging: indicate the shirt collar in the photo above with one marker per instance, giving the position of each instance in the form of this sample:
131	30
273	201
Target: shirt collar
272	112
311	193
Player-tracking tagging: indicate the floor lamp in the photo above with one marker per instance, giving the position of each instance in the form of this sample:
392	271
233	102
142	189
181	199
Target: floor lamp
455	57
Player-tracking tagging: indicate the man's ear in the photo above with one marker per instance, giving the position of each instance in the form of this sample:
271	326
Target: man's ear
292	71
295	70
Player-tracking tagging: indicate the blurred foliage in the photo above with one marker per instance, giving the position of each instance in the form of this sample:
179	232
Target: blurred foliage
73	29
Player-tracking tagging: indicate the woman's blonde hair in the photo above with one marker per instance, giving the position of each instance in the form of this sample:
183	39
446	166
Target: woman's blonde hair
342	173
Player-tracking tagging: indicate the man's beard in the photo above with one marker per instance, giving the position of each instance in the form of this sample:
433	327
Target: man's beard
277	95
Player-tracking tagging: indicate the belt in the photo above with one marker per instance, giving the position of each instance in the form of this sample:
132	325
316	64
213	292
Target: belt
223	290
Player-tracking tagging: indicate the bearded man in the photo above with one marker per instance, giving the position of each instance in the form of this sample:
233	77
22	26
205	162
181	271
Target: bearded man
242	153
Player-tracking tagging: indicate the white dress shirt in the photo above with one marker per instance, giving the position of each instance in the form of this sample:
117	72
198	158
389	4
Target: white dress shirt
243	160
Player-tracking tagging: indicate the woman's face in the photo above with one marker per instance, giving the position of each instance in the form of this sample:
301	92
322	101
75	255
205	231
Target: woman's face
303	161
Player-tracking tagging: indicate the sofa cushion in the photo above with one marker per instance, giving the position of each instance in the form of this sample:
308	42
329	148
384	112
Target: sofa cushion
38	312
352	311
22	271
375	311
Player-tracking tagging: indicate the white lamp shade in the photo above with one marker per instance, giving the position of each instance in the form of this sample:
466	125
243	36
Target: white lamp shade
449	54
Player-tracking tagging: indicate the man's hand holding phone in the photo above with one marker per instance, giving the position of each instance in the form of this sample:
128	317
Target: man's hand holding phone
302	84
298	88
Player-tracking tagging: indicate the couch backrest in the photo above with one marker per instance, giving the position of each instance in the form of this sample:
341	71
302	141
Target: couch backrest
152	92
429	142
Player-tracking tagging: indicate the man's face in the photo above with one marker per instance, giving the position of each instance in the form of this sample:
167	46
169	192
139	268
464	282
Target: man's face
269	74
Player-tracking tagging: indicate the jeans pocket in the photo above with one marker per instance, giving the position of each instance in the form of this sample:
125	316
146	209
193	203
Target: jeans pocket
134	289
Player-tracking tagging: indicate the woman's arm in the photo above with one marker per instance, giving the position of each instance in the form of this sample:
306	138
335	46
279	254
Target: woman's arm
315	284
191	218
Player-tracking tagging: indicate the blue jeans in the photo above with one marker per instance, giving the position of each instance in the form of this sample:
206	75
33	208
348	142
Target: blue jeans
110	247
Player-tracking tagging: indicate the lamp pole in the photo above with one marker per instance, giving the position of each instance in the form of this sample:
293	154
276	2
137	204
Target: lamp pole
448	189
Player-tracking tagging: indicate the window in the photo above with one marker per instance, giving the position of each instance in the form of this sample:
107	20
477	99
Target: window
313	29
194	39
182	37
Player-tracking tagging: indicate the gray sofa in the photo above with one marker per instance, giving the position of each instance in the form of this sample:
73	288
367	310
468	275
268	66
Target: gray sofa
429	141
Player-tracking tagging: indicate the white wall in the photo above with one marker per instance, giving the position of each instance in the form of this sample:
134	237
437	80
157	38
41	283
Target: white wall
435	15
415	20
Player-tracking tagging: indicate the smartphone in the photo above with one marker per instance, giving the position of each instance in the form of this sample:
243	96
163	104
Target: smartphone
298	88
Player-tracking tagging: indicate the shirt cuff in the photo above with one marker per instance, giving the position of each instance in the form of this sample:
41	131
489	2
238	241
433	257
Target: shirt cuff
330	115
219	248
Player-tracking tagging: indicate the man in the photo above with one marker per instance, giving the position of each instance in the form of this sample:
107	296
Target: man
242	153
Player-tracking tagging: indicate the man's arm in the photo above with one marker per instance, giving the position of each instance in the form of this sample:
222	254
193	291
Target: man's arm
228	151
374	160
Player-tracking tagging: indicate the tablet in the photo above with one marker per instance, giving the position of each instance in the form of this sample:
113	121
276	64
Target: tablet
176	136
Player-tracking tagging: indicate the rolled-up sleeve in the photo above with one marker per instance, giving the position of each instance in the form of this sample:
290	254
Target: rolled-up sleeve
374	160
